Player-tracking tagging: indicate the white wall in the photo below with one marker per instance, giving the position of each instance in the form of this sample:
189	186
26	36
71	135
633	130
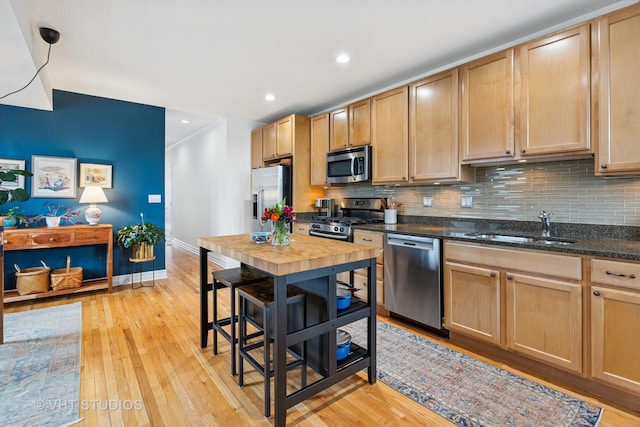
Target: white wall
211	183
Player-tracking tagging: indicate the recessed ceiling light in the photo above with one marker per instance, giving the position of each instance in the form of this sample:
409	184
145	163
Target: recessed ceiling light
270	97
343	59
185	121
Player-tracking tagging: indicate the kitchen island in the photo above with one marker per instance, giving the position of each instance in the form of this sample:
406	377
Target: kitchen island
309	263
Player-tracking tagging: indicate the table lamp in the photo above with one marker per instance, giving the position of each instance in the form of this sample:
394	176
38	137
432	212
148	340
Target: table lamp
93	195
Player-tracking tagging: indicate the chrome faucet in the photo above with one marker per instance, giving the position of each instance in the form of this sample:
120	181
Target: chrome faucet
545	217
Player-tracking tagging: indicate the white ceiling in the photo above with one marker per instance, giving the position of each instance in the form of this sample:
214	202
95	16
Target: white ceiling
207	59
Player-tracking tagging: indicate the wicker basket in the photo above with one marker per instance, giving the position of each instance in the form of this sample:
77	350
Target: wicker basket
34	280
66	278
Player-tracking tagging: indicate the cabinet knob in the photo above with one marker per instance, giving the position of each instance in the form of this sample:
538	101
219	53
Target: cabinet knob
596	293
523	150
507	152
493	274
51	239
603	166
509	277
4	242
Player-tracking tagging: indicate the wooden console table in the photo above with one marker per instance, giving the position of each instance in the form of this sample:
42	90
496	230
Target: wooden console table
61	237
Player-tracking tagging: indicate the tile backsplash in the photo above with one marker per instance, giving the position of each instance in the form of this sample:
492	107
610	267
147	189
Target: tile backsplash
568	189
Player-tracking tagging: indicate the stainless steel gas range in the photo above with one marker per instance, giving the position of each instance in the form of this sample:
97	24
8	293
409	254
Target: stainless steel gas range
354	211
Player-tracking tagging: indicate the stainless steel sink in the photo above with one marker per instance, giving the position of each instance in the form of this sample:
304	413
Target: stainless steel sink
508	238
556	242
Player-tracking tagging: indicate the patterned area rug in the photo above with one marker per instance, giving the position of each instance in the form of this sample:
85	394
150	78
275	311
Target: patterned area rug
40	367
466	391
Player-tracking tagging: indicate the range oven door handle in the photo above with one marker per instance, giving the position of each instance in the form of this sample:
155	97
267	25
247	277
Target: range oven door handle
328	236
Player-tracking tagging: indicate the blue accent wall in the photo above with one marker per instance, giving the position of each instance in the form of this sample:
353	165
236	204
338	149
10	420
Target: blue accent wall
128	136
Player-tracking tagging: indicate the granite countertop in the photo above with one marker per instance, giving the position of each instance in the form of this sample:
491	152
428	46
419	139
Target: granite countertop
588	240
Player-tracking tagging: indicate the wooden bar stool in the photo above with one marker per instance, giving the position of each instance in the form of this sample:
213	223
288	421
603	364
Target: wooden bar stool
230	278
259	296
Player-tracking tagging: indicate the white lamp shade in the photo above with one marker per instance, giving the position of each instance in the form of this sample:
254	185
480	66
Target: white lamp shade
93	195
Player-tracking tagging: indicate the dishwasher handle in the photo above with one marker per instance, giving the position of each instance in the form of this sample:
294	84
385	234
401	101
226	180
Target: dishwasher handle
414	242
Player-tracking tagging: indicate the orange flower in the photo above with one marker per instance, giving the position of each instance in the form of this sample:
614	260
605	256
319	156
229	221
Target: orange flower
275	216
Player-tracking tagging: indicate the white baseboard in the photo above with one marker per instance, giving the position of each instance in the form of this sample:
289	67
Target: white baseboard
221	260
147	276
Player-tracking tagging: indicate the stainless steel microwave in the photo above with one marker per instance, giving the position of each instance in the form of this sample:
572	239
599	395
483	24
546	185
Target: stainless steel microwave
349	165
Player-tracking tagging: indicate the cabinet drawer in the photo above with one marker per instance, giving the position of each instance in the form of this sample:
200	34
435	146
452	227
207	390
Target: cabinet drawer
371	238
15	241
90	237
48	239
538	262
617	273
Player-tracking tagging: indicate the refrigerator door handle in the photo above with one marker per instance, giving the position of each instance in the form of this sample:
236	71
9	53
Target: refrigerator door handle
260	202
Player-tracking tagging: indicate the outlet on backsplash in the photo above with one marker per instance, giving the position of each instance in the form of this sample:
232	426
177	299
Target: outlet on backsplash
466	201
427	201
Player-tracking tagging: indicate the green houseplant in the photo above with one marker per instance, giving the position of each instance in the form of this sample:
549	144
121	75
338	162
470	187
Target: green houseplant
141	237
12	216
12	194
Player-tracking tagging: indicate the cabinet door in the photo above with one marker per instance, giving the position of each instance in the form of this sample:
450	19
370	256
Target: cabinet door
360	122
487	107
615	328
319	148
472	301
338	129
433	132
256	148
390	136
619	93
544	320
269	141
554	93
284	136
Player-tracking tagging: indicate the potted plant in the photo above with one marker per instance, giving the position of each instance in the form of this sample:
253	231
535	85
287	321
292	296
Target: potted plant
141	237
55	214
12	217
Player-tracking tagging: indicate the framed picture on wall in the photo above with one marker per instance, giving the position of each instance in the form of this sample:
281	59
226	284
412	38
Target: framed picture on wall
8	165
53	177
92	174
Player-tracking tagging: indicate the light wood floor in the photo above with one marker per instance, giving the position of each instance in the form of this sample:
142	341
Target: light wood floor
142	365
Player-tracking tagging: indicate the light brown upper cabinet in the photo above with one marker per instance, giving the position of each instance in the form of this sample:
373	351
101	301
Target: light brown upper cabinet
488	108
319	148
269	141
433	130
618	59
390	136
284	136
338	129
350	125
256	148
553	89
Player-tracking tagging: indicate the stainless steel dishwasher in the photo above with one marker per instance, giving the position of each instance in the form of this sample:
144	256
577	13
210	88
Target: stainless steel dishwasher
413	279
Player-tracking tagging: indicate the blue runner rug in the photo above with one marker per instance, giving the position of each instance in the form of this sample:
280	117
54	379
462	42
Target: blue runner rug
466	391
40	367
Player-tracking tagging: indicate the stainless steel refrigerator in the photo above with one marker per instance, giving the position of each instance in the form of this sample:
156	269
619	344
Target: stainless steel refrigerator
269	186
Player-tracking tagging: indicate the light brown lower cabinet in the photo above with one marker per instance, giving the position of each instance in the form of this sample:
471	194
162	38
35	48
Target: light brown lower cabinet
501	296
615	323
369	238
544	319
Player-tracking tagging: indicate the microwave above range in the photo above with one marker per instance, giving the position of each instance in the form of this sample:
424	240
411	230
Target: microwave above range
349	165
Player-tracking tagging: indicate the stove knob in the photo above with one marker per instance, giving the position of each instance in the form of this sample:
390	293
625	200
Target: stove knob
342	229
335	229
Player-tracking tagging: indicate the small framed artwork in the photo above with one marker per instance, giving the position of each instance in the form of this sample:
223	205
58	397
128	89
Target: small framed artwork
92	174
53	177
9	165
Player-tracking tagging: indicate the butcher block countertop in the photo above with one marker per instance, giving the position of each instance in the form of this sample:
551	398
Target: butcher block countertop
302	254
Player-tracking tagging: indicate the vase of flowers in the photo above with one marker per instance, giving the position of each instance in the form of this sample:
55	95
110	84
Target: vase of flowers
281	216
